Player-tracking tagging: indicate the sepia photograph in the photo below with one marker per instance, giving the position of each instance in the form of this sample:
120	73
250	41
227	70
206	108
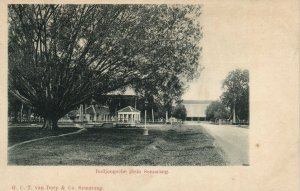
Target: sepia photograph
120	85
149	95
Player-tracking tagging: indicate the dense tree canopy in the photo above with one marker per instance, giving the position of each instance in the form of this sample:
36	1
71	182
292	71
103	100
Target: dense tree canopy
61	55
179	112
216	110
236	93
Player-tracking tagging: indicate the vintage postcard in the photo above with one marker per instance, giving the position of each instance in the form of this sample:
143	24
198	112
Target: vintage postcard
156	95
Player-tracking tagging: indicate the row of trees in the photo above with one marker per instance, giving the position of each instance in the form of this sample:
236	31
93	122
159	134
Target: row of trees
62	55
234	102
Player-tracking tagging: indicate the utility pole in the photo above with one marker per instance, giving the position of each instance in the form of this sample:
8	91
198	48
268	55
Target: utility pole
145	119
152	116
81	112
145	129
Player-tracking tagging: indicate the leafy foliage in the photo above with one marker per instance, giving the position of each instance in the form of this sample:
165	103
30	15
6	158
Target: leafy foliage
236	92
216	110
61	55
179	112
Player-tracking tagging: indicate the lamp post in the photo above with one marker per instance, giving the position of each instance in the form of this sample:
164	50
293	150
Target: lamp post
145	128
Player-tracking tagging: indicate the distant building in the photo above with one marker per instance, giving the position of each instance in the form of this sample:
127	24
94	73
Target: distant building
95	113
196	109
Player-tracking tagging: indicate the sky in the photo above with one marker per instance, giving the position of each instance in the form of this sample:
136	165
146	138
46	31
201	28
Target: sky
225	46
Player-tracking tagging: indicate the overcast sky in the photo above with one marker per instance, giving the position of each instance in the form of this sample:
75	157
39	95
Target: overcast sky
225	48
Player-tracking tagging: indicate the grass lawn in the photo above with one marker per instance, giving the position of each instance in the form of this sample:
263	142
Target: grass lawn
21	134
165	145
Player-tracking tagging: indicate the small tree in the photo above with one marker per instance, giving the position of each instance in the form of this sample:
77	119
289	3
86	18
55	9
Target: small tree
216	110
179	112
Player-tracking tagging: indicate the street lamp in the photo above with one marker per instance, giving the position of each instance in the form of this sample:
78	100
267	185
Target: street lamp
145	128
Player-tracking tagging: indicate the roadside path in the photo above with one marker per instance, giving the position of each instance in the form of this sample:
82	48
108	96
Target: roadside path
234	141
49	137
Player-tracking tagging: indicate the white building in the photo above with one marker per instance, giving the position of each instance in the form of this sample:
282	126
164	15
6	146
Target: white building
196	109
96	113
129	114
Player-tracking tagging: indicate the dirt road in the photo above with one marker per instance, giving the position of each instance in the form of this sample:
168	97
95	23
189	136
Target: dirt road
233	141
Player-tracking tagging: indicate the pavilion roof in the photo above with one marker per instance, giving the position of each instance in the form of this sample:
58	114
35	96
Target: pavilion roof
128	109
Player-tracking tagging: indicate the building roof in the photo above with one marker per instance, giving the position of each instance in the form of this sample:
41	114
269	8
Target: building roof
97	109
196	108
128	109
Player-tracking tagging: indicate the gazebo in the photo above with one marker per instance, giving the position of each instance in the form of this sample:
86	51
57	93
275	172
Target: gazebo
129	115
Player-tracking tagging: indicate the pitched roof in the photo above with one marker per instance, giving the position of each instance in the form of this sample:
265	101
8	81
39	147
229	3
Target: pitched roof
128	109
97	109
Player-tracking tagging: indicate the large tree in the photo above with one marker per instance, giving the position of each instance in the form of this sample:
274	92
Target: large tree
236	94
61	55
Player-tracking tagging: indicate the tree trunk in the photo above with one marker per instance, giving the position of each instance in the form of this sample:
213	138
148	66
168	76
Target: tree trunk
29	115
16	116
167	117
50	124
234	117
